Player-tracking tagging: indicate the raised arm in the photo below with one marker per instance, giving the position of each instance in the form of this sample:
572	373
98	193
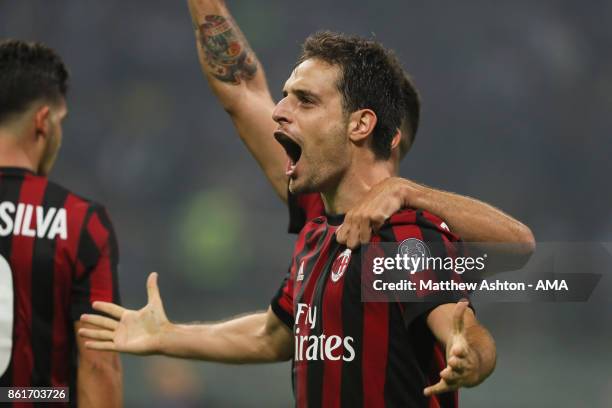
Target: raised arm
237	79
254	338
470	349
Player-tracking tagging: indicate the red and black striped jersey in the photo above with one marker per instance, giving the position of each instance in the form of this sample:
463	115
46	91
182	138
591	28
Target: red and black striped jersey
350	353
58	253
303	208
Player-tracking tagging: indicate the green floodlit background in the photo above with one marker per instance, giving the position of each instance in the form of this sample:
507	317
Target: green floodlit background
517	102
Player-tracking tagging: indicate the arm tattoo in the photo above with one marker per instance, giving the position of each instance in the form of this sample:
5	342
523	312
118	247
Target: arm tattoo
228	55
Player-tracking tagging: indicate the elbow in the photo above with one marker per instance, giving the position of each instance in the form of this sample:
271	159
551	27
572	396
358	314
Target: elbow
105	368
525	245
100	381
230	107
276	353
527	240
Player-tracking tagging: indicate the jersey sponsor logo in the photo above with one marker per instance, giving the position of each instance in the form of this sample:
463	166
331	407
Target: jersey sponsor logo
340	264
444	226
32	221
322	347
300	274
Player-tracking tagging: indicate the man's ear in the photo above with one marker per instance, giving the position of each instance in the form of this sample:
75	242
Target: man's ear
361	124
397	138
42	121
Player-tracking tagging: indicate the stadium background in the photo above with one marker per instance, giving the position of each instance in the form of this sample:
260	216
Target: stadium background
517	112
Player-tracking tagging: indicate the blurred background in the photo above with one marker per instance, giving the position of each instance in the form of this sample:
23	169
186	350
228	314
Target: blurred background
517	111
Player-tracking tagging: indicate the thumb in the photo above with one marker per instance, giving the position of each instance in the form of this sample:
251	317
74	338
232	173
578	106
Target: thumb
458	316
152	289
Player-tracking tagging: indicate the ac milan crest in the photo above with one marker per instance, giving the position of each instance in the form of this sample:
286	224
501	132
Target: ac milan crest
340	265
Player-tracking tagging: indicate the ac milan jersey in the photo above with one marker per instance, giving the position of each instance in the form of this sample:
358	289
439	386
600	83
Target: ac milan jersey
350	353
58	254
303	208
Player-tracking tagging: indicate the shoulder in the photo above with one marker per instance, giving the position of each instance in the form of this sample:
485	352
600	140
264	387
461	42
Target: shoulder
81	212
74	200
409	223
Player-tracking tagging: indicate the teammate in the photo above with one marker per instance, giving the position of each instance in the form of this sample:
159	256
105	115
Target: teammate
58	251
341	108
238	80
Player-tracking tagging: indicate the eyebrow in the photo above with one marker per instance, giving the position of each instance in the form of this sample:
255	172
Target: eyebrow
303	93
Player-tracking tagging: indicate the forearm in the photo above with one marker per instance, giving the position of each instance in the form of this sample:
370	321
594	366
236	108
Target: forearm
237	341
238	81
480	340
224	67
99	382
472	219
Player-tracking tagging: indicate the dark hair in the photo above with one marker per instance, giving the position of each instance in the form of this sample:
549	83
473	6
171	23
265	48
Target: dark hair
370	78
412	114
29	72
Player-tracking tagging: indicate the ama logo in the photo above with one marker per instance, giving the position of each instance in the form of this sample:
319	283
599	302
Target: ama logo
340	264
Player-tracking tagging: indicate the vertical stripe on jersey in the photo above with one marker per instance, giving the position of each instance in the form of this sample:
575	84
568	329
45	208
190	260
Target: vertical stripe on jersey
43	276
10	189
314	262
87	258
101	287
62	283
302	249
332	326
352	377
113	255
375	349
322	270
294	287
32	192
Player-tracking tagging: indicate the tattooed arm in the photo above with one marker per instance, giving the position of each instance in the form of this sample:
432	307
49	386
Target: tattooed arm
238	80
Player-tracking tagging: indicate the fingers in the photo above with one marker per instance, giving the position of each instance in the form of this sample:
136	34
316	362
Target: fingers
100	345
458	316
354	231
347	234
456	364
110	309
438	388
94	334
341	235
351	225
152	289
100	321
365	231
450	376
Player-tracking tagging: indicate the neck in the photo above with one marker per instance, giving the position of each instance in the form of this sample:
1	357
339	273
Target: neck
355	184
13	153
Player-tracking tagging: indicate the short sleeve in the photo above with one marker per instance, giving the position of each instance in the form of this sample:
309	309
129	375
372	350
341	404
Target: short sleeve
282	302
96	274
303	208
427	238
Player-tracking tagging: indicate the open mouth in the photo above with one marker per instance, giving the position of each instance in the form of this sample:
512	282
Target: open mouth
293	150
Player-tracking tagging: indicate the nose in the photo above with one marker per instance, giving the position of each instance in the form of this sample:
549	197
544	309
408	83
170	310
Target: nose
281	113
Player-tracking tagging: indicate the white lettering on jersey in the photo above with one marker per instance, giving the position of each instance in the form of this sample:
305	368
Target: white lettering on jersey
322	347
30	221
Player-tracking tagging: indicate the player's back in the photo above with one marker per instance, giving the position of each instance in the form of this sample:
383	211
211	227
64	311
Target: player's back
57	254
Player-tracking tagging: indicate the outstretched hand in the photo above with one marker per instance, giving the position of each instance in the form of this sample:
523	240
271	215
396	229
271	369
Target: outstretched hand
463	362
129	331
